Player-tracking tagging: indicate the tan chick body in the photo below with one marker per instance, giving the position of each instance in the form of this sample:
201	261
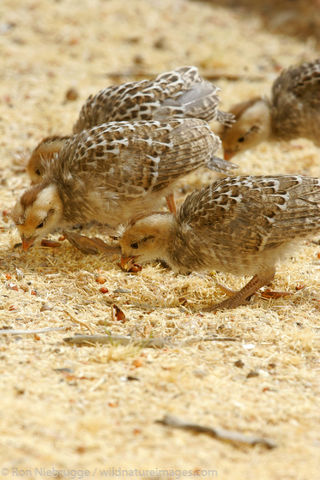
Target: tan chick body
293	111
241	225
115	171
180	93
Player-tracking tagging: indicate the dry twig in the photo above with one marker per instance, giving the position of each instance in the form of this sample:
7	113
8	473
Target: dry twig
218	433
118	339
80	322
157	342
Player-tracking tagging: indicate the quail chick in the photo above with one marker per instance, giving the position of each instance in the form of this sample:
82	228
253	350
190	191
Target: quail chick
44	152
181	93
241	225
292	111
114	171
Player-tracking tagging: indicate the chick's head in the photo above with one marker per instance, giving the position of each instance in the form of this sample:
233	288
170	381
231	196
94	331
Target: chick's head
252	126
38	212
148	238
42	155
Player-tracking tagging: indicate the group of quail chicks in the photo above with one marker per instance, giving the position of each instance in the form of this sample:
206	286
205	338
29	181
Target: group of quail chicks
133	142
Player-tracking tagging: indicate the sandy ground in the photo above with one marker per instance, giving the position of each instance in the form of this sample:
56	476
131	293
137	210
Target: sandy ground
91	408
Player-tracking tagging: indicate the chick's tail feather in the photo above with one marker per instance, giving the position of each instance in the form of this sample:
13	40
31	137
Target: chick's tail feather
219	165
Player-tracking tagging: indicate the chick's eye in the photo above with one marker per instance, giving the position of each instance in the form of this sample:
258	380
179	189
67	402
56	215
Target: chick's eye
241	139
38	172
40	225
134	245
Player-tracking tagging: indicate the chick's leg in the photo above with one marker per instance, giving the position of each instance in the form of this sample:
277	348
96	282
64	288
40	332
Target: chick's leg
242	296
171	203
228	291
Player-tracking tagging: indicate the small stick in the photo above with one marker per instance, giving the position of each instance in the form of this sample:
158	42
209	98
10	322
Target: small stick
208	339
118	339
31	332
97	384
274	294
157	342
218	433
80	322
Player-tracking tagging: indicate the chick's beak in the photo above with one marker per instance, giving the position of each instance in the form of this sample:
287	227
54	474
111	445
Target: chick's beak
27	242
127	262
228	154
